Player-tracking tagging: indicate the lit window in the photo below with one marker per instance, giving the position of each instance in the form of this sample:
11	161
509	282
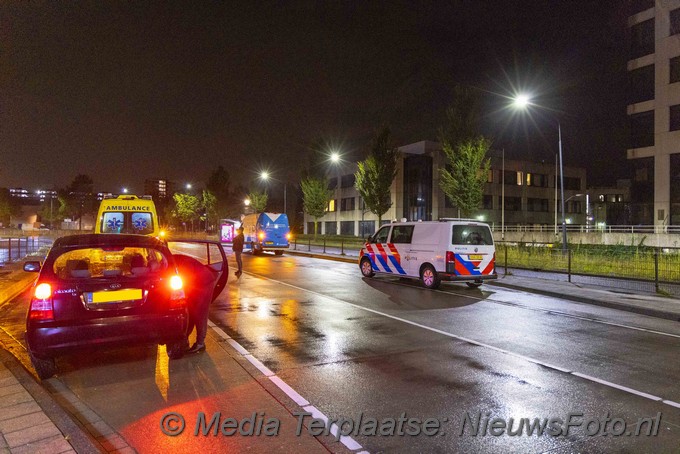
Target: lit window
528	179
331	206
519	178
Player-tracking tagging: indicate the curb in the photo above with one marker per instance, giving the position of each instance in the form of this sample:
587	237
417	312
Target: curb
656	313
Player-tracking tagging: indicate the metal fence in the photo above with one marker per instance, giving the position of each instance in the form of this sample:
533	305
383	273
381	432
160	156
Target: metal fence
540	228
328	244
634	268
13	249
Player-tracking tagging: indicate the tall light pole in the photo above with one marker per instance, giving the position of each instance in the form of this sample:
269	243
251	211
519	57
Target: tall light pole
264	176
335	160
522	101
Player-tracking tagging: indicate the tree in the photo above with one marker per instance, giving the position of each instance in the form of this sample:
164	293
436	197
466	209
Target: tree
315	197
187	207
464	183
209	204
80	198
462	117
8	207
219	185
374	178
258	201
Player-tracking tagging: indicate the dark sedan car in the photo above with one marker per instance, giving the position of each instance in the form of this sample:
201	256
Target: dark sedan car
106	290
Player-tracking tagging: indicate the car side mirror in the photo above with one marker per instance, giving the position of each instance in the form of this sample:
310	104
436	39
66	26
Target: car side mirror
32	266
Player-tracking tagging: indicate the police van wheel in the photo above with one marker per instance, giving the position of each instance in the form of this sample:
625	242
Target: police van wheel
474	284
278	252
366	268
253	249
429	277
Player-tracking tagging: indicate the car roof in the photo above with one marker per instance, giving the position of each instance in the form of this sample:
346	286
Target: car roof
107	239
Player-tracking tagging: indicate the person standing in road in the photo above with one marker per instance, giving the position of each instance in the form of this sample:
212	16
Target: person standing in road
237	247
199	286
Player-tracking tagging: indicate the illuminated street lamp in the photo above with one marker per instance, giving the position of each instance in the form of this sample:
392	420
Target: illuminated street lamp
522	101
336	158
264	176
125	190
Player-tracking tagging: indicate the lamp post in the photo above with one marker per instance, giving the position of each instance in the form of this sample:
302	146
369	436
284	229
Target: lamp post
522	101
335	160
264	176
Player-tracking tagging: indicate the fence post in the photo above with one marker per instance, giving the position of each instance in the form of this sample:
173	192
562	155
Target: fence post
506	259
18	248
569	264
656	269
309	245
9	249
342	246
324	245
295	244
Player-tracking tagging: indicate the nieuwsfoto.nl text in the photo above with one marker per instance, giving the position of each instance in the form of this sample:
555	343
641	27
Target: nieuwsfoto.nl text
479	424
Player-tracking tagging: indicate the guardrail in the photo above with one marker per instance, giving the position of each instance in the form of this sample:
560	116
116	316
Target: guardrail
589	228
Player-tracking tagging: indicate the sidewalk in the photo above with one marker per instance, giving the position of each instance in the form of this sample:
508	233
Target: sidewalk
613	297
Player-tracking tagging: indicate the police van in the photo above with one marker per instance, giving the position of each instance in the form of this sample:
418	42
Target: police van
432	251
128	214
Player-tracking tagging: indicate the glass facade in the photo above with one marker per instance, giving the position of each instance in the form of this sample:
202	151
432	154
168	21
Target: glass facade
418	188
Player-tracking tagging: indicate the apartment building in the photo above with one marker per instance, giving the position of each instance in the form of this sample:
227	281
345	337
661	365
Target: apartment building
654	109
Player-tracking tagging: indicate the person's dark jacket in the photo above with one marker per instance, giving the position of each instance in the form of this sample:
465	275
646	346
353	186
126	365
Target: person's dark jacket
237	244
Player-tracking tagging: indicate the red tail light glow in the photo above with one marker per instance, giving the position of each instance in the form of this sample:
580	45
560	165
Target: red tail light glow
177	296
449	257
176	282
42	307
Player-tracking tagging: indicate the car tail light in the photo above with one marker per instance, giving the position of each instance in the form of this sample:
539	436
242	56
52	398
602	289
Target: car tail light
42	306
449	257
176	282
260	235
177	297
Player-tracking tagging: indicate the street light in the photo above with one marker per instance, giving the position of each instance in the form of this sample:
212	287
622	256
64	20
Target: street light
336	158
125	190
522	101
264	176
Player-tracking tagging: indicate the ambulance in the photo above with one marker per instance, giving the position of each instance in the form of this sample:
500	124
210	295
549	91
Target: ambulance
432	251
128	214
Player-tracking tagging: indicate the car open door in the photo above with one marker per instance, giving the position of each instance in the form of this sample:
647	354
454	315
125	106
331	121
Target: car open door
210	253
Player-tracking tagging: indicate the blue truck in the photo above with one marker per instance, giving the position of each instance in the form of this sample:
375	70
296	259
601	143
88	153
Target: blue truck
266	232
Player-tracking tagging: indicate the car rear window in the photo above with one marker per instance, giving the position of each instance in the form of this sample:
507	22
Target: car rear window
140	223
87	263
471	234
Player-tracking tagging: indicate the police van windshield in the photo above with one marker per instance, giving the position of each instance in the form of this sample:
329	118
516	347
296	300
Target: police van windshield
471	234
127	222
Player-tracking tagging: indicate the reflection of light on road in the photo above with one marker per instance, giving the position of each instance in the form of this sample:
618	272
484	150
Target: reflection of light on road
162	373
263	309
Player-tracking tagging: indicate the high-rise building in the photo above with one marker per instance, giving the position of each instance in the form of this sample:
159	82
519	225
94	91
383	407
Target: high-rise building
159	189
654	110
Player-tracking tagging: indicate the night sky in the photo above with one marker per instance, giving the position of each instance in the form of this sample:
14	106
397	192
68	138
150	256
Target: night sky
124	91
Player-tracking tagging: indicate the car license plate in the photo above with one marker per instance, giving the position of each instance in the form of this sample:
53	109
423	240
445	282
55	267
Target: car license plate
114	295
268	242
476	257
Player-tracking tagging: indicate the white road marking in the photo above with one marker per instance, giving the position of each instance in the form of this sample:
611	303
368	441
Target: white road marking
348	441
481	344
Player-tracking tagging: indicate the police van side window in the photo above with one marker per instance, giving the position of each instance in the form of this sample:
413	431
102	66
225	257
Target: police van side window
402	234
381	236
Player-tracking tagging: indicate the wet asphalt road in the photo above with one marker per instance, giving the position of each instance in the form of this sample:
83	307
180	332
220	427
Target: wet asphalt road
382	347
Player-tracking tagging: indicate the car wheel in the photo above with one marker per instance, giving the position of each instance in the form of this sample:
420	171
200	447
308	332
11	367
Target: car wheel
429	277
366	268
278	252
474	284
175	349
45	368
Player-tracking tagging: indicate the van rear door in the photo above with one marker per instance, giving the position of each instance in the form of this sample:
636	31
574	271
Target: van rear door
473	248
